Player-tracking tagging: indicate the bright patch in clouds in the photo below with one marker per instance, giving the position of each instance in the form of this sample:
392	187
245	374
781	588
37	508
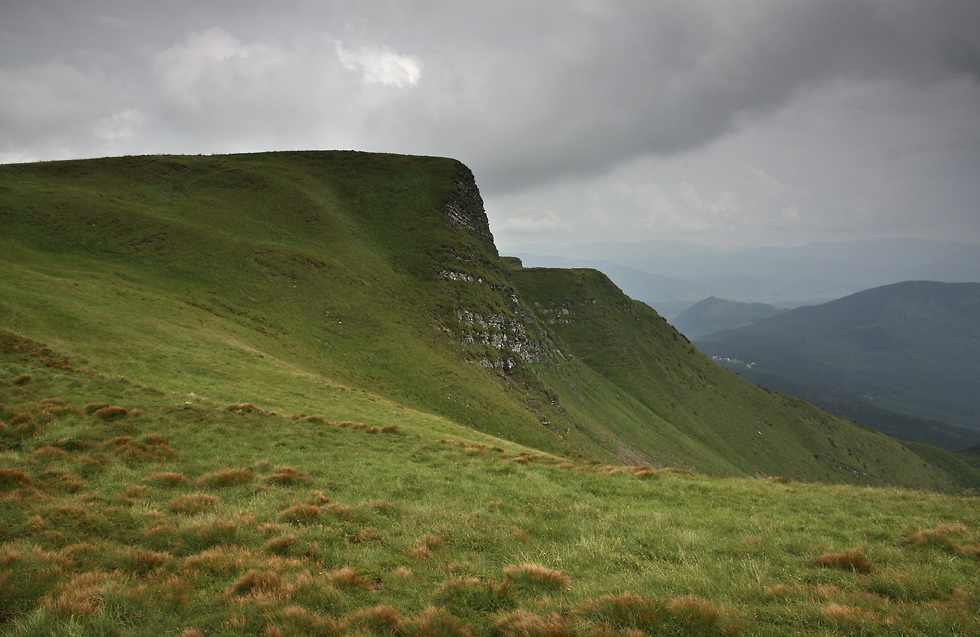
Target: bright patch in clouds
121	126
381	65
546	224
215	62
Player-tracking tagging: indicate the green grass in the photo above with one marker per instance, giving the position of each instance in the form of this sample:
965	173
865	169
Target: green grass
335	280
229	519
699	416
265	403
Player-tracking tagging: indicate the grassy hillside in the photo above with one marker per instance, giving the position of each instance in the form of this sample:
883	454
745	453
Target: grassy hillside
909	347
701	416
128	510
353	284
289	279
300	393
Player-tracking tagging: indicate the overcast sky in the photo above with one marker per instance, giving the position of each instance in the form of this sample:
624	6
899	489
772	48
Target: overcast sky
756	122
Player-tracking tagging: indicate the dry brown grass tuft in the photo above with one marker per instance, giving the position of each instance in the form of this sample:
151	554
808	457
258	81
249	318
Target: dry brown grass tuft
12	478
137	491
782	590
538	576
281	544
192	503
249	408
226	478
779	480
383	507
143	560
360	426
129	449
626	610
112	412
78	596
369	534
216	560
942	536
612	471
970	550
91	408
434	621
848	614
159	534
693	610
402	572
425	547
254	582
644	472
827	591
381	619
288	476
347	578
308	418
212	532
47	451
522	623
471	593
340	510
21	379
299	513
849	561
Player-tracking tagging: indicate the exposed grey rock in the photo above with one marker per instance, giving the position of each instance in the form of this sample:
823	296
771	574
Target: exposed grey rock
465	205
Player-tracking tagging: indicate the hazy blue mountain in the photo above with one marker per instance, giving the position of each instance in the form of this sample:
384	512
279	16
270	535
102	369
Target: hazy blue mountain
911	347
714	314
784	277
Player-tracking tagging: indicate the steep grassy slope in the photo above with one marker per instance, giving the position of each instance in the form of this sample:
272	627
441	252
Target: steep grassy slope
716	419
127	510
356	286
911	347
291	279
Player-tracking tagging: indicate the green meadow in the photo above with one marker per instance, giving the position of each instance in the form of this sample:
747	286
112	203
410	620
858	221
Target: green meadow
286	394
128	511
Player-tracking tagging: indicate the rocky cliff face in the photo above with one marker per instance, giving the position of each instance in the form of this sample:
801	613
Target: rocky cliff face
465	205
489	314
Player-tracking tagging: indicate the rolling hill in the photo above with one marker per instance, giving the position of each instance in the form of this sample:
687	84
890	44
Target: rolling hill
714	314
301	393
910	348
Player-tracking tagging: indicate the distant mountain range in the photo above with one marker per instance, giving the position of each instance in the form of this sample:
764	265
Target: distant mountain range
911	348
670	276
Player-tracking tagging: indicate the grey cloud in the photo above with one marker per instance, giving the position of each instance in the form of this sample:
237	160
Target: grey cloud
526	93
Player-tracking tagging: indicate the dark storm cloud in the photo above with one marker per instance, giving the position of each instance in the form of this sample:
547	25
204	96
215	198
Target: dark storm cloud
527	93
531	91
